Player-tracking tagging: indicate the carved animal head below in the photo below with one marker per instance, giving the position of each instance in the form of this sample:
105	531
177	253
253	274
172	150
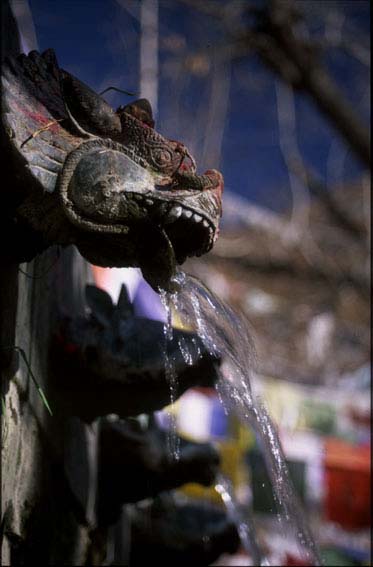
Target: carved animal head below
135	463
112	361
173	530
101	179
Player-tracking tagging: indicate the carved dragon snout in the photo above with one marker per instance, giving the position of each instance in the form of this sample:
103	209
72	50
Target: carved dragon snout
170	531
135	464
104	180
113	361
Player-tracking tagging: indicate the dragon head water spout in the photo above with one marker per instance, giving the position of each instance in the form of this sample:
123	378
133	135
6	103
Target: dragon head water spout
112	361
101	179
170	531
135	464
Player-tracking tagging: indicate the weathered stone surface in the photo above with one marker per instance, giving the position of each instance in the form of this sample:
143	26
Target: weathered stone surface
46	461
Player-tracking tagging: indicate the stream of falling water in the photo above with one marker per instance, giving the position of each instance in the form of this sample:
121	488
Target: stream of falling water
226	334
173	441
245	528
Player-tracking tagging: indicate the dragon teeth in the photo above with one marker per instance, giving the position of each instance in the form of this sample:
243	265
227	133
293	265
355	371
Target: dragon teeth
177	211
149	201
174	214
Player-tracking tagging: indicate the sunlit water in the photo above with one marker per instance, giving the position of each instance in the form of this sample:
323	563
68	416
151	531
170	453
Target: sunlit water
245	527
173	441
224	333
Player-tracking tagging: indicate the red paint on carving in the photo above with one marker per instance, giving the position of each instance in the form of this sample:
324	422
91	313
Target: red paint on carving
184	167
52	125
38	117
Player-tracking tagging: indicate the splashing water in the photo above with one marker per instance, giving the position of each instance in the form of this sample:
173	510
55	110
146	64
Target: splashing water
173	441
224	333
245	528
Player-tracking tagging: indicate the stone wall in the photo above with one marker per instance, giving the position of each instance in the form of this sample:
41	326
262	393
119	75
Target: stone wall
48	462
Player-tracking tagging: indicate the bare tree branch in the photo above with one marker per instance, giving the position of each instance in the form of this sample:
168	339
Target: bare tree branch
299	226
297	63
287	128
315	273
340	216
296	60
216	114
335	37
308	179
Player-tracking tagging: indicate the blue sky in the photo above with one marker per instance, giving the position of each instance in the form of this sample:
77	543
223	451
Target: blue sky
98	41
